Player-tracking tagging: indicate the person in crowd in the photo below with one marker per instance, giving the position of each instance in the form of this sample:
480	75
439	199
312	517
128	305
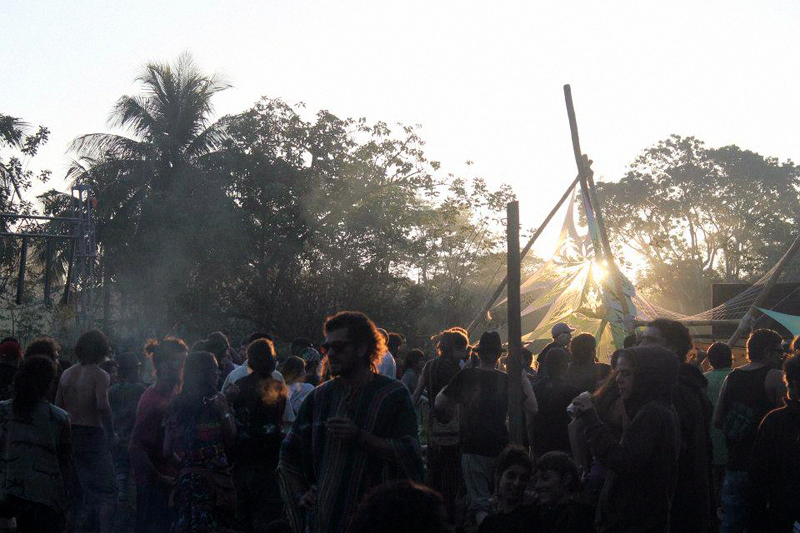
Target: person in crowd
83	393
229	384
400	507
553	395
48	347
258	408
314	366
110	367
774	498
123	397
387	364
396	344
298	345
412	365
562	335
37	481
444	456
199	434
642	465
557	487
482	397
748	393
352	433
294	372
512	473
720	358
218	344
153	473
243	369
692	508
10	358
583	372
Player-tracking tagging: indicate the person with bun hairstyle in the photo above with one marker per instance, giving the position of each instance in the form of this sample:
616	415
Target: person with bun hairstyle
153	473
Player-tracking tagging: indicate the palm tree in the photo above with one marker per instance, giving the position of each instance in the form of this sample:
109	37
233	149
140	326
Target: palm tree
141	179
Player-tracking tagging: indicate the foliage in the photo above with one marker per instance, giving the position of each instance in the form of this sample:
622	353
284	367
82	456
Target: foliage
272	220
697	215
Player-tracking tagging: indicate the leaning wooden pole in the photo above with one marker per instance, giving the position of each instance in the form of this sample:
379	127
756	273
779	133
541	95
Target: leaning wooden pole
587	183
514	365
499	290
745	322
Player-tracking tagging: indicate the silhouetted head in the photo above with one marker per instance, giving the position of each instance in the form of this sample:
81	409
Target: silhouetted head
719	355
669	334
92	347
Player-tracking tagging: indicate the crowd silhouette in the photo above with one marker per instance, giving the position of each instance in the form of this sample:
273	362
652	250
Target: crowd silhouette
363	432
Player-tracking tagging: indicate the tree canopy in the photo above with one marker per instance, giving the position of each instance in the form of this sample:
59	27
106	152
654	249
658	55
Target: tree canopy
696	215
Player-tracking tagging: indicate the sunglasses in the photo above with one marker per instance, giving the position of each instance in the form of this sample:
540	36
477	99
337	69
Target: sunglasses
335	346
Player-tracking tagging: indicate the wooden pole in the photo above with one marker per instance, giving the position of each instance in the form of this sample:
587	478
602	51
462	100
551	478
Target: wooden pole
587	183
23	260
48	267
499	290
746	322
514	366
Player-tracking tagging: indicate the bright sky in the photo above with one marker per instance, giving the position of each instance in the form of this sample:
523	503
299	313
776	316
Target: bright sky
484	79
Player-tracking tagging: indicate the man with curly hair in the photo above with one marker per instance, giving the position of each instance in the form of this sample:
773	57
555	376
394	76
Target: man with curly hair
352	433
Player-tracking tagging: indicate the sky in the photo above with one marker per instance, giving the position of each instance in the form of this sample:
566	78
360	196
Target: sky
483	79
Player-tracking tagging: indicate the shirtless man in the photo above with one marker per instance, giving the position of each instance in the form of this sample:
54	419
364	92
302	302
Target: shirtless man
83	393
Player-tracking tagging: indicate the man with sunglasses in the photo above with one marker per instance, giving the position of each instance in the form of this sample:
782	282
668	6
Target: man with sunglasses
352	433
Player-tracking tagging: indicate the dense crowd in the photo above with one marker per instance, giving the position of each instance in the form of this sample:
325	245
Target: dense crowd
363	433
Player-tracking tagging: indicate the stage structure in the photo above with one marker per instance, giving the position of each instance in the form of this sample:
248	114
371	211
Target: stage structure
582	285
77	227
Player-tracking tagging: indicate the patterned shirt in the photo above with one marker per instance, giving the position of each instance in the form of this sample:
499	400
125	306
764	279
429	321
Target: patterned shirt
342	471
30	450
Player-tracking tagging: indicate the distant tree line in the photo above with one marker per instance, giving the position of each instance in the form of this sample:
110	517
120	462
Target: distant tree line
273	218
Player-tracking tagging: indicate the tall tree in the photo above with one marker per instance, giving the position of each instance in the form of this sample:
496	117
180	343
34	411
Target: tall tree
696	215
157	186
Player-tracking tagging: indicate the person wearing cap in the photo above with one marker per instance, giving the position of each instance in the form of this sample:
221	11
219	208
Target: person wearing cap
562	335
482	396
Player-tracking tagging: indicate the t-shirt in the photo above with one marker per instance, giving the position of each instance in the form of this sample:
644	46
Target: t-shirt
483	397
258	411
715	379
297	393
550	431
387	365
148	432
746	403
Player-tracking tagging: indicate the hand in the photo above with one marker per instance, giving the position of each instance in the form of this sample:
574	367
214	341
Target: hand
344	428
309	499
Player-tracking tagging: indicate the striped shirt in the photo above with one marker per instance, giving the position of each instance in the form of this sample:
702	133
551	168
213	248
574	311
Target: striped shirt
342	471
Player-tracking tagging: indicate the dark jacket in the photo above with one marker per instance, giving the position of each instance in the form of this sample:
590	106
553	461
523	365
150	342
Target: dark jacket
775	472
643	465
691	508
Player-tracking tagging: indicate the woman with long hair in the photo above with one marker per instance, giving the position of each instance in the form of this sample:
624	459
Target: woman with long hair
38	474
199	434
